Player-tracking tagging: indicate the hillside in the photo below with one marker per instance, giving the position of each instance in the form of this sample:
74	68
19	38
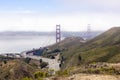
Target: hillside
16	70
67	44
86	57
103	48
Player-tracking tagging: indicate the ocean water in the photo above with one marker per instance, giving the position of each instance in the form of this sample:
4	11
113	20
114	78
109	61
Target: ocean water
17	44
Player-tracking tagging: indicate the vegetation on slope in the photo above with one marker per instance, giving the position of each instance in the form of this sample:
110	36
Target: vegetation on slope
16	69
103	48
23	69
67	44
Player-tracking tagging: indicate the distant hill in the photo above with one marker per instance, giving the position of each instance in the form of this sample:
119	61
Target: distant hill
103	48
64	33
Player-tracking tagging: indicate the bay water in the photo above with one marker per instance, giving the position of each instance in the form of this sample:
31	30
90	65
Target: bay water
17	44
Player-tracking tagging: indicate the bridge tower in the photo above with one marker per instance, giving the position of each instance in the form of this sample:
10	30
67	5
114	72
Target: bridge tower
58	33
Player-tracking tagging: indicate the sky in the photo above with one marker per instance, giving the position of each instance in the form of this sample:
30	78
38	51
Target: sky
72	15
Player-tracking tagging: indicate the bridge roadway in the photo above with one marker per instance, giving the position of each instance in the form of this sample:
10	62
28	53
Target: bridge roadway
53	63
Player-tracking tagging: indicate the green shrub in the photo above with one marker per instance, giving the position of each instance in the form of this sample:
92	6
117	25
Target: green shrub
108	70
94	71
40	74
26	78
40	79
62	73
51	72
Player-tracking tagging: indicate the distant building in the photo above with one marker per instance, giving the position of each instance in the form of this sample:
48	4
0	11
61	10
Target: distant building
36	52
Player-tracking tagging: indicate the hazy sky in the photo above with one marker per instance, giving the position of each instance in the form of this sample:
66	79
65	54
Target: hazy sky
73	15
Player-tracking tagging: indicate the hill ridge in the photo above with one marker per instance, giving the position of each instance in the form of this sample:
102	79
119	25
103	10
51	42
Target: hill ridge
103	48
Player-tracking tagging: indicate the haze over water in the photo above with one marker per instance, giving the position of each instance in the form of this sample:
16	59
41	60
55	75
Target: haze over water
16	44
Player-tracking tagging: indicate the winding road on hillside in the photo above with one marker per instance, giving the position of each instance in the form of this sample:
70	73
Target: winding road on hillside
53	63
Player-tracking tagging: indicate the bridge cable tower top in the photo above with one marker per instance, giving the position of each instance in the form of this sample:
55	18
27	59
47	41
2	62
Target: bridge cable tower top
58	33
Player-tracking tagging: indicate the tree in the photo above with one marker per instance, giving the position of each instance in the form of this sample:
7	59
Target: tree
79	57
40	61
52	57
27	60
43	64
5	62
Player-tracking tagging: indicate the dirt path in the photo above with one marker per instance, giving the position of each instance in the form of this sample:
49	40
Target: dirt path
88	77
93	77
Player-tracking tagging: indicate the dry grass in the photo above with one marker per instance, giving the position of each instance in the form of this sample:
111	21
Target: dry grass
88	77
